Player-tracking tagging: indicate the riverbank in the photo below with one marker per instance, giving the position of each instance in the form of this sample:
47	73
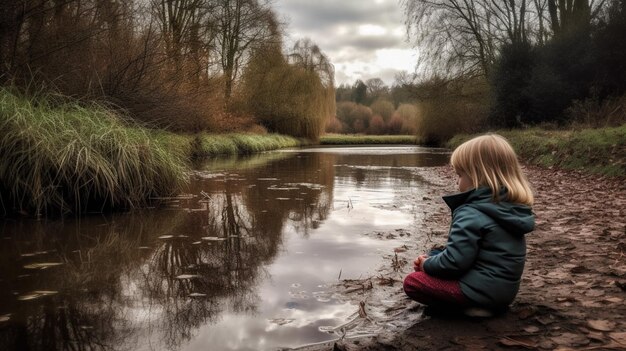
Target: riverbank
573	288
59	157
359	139
599	151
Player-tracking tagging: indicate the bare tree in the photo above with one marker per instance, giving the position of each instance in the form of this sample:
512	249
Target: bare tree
239	25
568	15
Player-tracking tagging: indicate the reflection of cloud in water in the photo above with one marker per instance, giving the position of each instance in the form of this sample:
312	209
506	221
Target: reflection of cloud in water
240	332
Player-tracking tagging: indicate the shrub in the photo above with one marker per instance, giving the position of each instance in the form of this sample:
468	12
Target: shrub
452	107
334	126
360	117
383	108
376	125
395	125
409	114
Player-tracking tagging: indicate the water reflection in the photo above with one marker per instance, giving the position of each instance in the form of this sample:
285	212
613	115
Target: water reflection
240	247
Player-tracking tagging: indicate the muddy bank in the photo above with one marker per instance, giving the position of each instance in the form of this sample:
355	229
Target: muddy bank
573	289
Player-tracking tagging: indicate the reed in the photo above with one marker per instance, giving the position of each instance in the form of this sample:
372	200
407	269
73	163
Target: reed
59	156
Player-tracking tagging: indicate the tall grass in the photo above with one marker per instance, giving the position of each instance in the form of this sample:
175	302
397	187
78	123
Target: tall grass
59	157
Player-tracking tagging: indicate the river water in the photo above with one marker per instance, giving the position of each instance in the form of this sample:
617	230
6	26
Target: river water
244	259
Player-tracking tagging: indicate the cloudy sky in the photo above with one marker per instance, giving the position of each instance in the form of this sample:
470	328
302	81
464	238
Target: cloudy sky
362	38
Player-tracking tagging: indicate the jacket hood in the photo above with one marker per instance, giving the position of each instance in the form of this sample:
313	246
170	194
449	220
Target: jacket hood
514	218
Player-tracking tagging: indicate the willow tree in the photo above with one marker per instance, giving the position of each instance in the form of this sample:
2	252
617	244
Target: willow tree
291	94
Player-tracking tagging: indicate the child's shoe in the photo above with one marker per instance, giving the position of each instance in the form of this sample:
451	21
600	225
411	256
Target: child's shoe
478	312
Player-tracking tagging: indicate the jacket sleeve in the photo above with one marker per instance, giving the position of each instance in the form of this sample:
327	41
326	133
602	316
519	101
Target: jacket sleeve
461	249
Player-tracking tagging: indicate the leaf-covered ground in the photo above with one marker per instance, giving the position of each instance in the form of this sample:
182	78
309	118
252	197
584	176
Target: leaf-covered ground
573	289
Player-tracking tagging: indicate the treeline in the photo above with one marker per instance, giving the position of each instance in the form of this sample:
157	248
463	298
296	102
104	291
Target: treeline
185	65
371	107
509	64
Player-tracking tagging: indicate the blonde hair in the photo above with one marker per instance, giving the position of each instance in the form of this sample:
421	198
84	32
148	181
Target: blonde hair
489	160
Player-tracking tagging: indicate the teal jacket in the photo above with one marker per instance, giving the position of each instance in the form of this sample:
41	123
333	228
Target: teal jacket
486	247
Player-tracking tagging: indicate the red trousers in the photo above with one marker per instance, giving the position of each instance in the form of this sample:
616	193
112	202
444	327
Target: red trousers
429	290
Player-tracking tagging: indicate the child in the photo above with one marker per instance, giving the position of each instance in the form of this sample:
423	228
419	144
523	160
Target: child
480	268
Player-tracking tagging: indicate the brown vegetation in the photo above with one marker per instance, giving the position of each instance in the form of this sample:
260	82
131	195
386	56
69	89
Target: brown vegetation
173	64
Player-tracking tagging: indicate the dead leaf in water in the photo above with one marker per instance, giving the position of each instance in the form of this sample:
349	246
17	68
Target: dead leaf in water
601	324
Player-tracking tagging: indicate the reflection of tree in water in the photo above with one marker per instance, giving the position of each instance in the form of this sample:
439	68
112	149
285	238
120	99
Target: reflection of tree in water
306	198
86	312
185	279
375	170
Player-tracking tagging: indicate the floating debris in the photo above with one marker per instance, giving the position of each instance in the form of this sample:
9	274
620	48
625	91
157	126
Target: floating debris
5	318
187	276
197	295
281	321
267	179
32	254
212	238
165	237
43	265
36	294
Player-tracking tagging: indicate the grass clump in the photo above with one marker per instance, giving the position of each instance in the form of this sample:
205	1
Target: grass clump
207	145
61	157
599	151
354	139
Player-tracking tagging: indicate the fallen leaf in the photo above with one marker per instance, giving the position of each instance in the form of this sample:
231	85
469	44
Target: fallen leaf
526	312
570	339
507	341
614	300
601	324
594	293
531	329
619	337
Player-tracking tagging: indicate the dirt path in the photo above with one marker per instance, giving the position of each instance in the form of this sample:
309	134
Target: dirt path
573	289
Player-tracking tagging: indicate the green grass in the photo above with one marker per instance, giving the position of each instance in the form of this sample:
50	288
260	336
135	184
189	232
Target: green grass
351	139
59	156
599	151
208	145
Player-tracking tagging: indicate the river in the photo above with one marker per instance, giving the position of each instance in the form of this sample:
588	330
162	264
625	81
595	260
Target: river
244	259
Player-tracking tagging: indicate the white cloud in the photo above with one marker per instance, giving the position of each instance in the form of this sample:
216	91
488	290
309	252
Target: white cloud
363	39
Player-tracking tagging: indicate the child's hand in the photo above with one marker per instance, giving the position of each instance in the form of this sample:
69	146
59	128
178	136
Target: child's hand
419	263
